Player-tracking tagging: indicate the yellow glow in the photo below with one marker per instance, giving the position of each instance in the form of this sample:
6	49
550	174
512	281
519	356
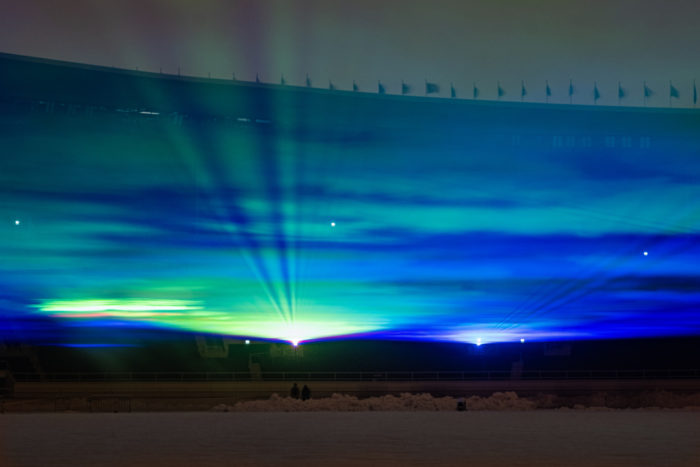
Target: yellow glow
131	307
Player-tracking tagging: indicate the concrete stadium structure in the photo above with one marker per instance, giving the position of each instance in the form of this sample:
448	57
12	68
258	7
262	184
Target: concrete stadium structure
37	89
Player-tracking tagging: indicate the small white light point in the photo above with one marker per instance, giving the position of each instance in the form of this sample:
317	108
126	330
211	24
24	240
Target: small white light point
522	341
247	342
17	222
295	343
646	253
478	341
332	224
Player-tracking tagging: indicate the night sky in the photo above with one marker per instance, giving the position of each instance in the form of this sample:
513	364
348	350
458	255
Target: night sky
338	233
463	42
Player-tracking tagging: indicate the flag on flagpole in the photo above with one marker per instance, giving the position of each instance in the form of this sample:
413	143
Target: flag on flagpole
257	78
499	90
405	88
648	92
453	91
282	81
331	86
355	87
475	92
571	91
672	91
620	92
380	88
308	81
596	93
431	88
523	91
547	91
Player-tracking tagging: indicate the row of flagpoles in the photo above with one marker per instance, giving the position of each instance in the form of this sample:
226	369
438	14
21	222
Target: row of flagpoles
434	88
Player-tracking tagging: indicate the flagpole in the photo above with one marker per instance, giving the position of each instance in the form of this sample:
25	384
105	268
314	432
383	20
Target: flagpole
645	93
595	93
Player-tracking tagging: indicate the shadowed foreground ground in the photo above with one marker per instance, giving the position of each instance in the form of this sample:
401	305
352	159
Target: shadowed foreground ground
561	437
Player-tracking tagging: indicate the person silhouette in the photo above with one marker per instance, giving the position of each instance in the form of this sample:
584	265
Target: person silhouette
305	393
294	392
461	404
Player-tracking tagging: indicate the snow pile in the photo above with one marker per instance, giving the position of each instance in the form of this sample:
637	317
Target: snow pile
497	401
403	402
500	401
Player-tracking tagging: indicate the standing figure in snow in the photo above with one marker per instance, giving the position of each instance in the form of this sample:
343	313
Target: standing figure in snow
294	392
461	404
305	393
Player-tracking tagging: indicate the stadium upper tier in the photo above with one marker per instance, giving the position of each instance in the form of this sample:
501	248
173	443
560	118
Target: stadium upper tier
79	86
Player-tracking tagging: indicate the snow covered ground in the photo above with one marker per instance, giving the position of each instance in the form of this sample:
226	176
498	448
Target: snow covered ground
482	438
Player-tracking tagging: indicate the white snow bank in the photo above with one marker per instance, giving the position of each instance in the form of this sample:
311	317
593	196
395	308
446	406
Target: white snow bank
497	401
403	402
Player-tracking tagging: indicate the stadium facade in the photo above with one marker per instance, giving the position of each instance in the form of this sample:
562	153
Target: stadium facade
68	103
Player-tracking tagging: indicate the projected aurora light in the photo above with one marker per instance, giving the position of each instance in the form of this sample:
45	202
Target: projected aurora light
257	231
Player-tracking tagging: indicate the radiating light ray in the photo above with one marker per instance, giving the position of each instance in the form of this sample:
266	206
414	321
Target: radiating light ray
436	237
250	252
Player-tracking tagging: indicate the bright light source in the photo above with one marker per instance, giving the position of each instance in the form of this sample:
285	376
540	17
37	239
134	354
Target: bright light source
478	341
295	343
332	224
17	222
646	253
247	342
522	341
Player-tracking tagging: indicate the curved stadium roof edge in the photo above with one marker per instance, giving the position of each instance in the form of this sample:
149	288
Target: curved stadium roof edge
20	75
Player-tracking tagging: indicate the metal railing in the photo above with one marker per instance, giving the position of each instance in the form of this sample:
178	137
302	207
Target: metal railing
494	375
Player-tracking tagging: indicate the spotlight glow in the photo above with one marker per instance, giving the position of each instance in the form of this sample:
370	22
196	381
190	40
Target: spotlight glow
472	222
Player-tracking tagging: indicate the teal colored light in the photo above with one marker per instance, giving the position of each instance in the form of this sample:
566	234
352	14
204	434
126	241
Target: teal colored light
385	220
